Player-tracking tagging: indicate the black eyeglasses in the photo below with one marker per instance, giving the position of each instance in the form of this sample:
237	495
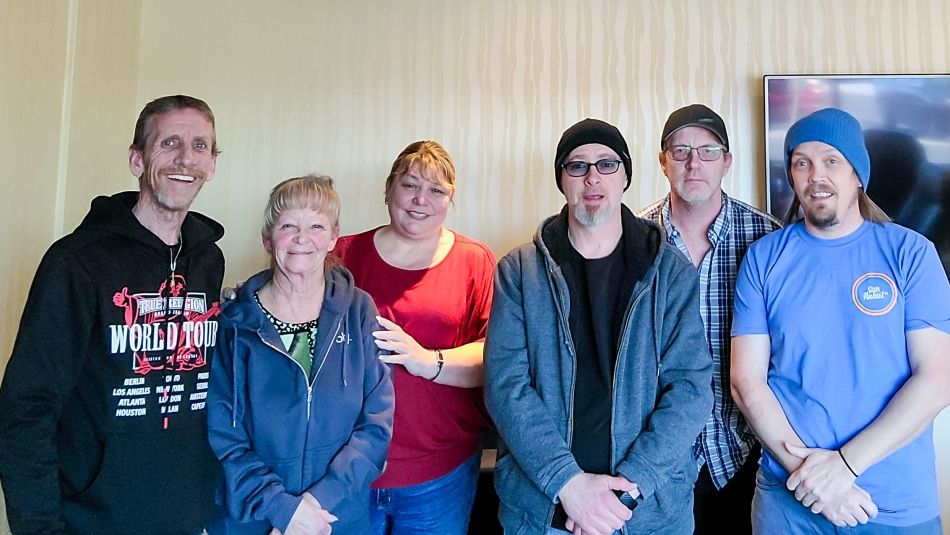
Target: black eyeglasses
577	168
707	153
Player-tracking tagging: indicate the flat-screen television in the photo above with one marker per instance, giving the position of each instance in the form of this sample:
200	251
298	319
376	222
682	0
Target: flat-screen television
906	122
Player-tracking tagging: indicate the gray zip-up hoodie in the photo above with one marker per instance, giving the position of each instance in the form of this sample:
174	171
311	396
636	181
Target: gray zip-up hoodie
661	387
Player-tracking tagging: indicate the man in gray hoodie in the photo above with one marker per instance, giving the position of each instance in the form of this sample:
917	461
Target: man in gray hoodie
597	369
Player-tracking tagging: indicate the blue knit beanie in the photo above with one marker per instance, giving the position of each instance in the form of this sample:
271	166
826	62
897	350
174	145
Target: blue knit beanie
836	128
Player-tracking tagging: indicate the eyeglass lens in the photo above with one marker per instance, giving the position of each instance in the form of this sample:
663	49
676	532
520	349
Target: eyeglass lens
707	153
605	167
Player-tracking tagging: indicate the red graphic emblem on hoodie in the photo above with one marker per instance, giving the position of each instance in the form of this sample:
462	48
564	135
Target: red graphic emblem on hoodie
168	330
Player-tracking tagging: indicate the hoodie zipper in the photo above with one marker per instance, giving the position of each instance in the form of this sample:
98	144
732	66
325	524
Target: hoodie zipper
310	383
628	316
570	348
326	353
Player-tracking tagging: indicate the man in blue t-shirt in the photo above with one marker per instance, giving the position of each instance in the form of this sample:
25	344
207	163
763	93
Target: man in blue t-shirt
841	337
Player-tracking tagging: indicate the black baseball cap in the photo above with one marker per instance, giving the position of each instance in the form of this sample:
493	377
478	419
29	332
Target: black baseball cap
695	115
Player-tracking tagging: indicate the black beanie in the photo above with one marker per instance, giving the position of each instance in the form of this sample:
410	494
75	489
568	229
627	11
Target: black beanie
591	131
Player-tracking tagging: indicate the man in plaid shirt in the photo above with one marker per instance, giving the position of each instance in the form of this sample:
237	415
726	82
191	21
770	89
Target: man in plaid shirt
714	231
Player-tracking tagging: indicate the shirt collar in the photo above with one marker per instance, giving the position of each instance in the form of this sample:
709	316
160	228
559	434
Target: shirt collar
717	230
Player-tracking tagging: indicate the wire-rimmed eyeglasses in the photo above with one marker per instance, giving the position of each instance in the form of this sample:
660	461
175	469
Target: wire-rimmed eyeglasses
707	153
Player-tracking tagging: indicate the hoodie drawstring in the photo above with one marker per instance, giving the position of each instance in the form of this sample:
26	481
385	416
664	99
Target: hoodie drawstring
346	343
234	380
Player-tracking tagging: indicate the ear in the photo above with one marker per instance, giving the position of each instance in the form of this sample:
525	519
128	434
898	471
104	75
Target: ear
662	159
726	162
136	162
267	242
336	236
214	165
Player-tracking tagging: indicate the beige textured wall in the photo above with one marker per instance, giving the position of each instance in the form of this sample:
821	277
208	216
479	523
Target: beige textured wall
342	87
67	103
31	34
102	104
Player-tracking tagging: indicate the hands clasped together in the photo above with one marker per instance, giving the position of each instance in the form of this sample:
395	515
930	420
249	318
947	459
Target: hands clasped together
309	519
825	484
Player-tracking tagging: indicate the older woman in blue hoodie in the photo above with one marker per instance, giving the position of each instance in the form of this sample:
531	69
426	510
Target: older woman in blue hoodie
300	408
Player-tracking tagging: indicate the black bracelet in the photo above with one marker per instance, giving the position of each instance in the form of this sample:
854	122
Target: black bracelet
845	461
439	363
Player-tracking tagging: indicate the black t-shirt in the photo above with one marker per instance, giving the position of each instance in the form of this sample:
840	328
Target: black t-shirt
595	320
599	291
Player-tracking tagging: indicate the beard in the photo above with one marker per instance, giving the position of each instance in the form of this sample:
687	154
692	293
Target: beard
171	203
163	194
827	215
694	195
822	220
590	216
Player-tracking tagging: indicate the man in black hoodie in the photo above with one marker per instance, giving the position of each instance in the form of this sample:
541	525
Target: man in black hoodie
102	412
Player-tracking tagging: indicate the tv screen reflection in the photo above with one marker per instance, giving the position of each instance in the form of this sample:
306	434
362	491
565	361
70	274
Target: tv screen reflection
906	122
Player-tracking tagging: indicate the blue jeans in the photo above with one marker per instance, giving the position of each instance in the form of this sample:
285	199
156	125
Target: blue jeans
438	507
775	510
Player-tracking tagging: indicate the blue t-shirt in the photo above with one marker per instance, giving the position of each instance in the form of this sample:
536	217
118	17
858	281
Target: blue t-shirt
837	312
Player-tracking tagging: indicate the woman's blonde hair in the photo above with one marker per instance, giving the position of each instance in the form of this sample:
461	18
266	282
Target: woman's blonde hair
312	191
435	163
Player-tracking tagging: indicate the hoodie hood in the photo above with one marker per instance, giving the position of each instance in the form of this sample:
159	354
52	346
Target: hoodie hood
245	313
113	215
642	240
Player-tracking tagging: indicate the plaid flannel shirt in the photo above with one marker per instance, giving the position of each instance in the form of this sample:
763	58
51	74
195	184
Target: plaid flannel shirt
726	439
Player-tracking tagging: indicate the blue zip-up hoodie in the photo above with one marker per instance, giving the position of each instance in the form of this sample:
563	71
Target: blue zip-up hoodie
279	433
661	391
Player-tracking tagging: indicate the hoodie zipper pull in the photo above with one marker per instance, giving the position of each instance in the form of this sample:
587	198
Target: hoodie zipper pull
309	399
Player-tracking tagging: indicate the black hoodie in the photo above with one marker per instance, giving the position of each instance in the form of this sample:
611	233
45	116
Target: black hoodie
102	407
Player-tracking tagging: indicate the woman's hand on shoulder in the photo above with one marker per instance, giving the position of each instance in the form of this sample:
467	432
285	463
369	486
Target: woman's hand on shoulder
405	350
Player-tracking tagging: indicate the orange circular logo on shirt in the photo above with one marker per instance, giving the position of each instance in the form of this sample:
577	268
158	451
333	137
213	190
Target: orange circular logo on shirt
875	294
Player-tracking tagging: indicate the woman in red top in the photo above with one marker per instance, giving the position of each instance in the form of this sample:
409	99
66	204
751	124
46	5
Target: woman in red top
433	289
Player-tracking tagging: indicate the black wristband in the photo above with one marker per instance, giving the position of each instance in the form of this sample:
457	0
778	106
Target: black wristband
439	362
845	461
